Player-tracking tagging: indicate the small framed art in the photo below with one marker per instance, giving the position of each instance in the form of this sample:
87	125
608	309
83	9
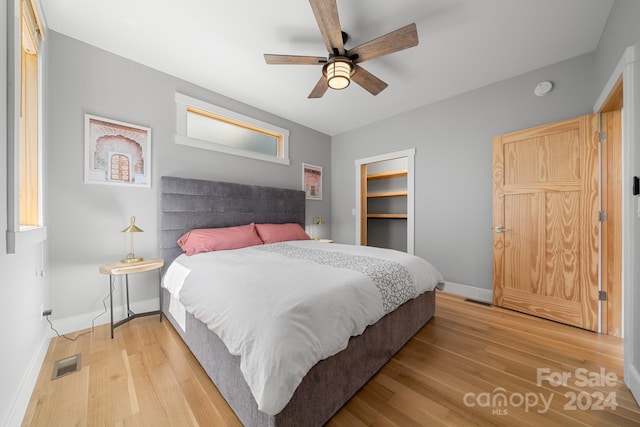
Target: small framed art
312	181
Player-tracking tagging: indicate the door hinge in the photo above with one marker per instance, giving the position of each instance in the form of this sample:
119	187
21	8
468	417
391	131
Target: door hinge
602	136
602	216
602	295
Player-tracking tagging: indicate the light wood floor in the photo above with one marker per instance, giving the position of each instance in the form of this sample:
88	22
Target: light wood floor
448	374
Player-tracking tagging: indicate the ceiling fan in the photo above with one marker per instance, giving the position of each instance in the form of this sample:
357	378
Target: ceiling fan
341	66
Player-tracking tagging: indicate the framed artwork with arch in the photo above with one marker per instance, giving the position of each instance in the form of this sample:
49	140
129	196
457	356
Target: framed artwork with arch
312	181
116	153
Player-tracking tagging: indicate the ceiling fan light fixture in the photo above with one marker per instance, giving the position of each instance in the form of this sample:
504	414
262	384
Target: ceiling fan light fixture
338	72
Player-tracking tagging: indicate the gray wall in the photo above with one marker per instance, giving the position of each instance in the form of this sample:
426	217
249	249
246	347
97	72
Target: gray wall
453	138
85	219
621	31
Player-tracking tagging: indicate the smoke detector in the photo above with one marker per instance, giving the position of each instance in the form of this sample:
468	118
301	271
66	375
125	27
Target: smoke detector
543	88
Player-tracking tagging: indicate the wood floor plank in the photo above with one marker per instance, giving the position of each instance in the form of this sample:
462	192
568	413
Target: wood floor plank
100	397
449	374
151	410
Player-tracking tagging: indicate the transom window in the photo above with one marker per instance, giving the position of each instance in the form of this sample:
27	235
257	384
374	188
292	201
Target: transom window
204	125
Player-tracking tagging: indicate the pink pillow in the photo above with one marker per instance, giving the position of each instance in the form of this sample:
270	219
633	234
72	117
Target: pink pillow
273	233
216	239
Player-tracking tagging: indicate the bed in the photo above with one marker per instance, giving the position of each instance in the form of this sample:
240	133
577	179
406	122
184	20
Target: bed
187	204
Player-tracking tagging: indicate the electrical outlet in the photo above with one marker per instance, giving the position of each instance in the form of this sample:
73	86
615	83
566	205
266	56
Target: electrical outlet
41	310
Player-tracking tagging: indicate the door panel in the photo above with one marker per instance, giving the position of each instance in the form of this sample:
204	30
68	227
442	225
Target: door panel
545	200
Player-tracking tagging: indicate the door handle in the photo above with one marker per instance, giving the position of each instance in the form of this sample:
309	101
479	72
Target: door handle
500	229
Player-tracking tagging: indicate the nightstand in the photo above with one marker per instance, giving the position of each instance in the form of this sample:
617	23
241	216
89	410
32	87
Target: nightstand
120	268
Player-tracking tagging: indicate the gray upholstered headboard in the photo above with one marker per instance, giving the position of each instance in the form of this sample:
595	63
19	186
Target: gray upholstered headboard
186	204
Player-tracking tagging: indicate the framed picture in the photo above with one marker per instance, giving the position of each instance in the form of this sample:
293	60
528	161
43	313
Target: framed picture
312	181
116	153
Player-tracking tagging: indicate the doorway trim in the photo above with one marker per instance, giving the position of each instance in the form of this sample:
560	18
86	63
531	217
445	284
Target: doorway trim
410	155
629	71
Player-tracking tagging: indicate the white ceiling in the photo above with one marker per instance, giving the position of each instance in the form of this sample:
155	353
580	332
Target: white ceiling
464	44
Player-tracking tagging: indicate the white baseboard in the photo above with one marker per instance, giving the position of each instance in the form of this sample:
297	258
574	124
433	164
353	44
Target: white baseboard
469	291
23	395
632	380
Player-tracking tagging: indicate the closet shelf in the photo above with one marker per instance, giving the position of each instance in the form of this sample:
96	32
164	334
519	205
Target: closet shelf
387	174
387	215
388	194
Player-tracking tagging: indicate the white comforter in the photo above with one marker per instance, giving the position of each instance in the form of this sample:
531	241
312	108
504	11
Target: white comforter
284	307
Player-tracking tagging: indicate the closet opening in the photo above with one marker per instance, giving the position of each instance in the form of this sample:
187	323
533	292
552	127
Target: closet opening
384	201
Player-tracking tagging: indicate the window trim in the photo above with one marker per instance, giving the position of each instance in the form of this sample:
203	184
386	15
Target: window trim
18	237
185	103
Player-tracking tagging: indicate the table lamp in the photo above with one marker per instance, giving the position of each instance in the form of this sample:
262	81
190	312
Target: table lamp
132	228
316	220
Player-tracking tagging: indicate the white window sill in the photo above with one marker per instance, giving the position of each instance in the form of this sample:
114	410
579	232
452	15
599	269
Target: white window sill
25	238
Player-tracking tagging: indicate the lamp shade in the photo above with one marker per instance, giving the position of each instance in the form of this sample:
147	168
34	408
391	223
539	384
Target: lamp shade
132	228
338	72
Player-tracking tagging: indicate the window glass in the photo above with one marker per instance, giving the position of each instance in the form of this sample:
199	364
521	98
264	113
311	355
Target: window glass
213	128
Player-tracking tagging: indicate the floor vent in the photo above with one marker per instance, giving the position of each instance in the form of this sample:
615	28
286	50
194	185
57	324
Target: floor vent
66	366
475	301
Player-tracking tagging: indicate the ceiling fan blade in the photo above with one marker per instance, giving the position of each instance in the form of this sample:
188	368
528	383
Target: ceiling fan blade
400	39
326	13
294	59
320	88
371	83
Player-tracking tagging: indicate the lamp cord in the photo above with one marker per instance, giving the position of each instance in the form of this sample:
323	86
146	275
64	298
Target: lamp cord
104	304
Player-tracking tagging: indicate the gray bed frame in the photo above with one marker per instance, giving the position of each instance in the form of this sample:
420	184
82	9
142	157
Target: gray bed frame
186	204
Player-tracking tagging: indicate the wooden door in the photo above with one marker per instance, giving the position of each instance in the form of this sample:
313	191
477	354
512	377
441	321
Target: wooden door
545	218
119	168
